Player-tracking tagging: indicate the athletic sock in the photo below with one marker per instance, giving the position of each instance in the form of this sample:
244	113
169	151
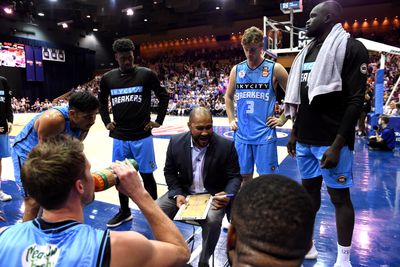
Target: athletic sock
343	255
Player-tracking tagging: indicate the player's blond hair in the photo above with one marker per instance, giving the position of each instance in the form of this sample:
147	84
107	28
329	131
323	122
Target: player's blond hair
252	35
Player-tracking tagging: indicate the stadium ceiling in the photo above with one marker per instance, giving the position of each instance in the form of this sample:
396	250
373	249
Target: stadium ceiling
152	16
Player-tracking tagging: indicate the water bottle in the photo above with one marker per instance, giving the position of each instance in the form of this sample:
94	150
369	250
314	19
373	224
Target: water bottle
106	178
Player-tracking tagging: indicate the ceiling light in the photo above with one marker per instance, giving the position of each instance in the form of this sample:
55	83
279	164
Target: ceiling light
129	12
95	29
64	24
217	8
40	14
88	16
8	10
145	20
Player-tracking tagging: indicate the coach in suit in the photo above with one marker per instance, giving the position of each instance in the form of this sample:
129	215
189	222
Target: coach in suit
201	162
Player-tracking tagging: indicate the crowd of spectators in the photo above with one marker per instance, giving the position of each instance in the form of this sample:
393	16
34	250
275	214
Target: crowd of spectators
196	78
392	74
24	105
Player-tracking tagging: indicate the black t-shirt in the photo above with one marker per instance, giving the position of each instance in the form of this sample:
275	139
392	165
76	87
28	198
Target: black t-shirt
131	101
6	113
334	113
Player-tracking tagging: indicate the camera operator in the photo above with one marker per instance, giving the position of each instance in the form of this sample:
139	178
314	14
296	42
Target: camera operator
384	138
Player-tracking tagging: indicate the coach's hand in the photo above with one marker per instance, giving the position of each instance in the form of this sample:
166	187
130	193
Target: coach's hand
111	126
180	200
150	125
330	158
220	201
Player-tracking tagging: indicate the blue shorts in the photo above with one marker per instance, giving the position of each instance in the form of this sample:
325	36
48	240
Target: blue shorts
265	157
5	150
140	150
308	160
18	162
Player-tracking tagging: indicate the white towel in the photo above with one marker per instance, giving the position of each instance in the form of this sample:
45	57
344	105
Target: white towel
325	76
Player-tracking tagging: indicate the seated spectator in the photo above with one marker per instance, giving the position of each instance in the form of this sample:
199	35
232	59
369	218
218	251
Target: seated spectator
272	223
201	162
391	109
384	138
397	112
57	175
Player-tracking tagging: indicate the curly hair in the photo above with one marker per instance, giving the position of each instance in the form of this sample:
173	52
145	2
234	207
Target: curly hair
83	101
123	45
274	214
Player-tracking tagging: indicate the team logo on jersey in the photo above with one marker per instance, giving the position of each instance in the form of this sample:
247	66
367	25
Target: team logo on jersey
342	179
242	74
265	71
40	255
363	68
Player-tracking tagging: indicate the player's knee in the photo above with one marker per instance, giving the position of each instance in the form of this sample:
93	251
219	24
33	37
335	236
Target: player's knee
339	197
312	186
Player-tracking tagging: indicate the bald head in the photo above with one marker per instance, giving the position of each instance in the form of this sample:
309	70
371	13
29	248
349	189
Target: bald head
334	9
322	19
200	125
200	112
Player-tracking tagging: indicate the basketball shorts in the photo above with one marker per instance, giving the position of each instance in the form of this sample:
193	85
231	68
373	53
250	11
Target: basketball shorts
308	160
264	156
140	150
5	149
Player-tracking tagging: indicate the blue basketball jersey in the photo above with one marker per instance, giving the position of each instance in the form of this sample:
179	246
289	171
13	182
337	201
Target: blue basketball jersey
71	244
28	137
256	99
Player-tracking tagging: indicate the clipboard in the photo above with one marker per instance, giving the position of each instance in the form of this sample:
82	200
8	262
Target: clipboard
196	208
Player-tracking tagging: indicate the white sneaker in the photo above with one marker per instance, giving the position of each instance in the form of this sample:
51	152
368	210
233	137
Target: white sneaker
225	223
312	254
343	264
4	196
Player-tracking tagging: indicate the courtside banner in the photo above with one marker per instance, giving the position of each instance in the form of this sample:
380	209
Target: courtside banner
30	63
39	75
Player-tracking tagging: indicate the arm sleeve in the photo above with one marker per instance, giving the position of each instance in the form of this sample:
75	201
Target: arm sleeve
162	96
171	174
103	99
354	78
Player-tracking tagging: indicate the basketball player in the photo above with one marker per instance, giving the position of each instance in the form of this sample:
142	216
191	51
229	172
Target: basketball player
130	89
326	87
272	223
57	175
75	120
255	83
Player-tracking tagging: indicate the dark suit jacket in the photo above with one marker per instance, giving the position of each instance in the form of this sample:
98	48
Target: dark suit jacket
221	166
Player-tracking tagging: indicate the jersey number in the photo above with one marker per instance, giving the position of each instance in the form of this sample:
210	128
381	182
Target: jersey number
250	107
